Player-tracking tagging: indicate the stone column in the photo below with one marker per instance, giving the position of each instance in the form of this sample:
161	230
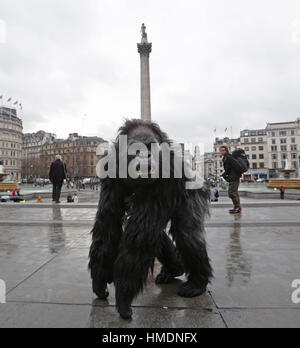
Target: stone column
144	49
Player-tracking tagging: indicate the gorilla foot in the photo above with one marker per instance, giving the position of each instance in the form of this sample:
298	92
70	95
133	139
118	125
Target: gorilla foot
125	312
166	277
100	291
190	289
102	295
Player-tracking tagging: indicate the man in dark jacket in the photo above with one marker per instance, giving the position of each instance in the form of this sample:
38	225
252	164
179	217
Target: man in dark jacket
57	176
231	175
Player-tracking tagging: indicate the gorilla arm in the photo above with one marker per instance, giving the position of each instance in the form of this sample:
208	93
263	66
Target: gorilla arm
106	236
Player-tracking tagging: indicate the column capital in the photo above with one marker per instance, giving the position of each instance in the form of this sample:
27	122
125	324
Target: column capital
144	48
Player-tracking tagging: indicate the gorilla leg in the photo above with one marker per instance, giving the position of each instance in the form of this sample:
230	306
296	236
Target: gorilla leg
137	251
170	259
131	273
106	236
188	231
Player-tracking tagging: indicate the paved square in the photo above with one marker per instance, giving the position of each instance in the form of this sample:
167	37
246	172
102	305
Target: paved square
44	257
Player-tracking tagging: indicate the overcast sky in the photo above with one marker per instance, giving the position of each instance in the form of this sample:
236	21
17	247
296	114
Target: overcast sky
215	64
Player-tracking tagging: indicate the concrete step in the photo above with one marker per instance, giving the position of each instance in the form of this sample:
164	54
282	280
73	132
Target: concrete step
256	204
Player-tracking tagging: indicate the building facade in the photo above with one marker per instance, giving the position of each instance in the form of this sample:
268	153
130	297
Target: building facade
255	144
268	149
78	153
32	146
208	165
11	134
283	146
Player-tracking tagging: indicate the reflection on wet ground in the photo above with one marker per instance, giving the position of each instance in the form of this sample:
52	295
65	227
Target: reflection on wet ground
238	263
48	285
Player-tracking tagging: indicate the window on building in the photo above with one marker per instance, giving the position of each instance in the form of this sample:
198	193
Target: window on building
247	148
261	165
294	148
261	148
282	133
294	156
284	156
275	165
293	140
253	148
273	148
254	165
284	148
260	140
261	156
283	141
293	132
254	157
246	140
273	134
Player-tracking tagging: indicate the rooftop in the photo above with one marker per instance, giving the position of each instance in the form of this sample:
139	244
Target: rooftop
9	115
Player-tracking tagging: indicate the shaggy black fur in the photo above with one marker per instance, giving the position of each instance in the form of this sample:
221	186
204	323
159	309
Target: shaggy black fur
131	230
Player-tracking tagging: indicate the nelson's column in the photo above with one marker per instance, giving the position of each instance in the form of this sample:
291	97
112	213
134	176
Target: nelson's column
145	48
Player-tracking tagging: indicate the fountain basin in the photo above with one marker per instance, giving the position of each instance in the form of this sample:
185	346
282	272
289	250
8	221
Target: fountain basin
286	183
8	186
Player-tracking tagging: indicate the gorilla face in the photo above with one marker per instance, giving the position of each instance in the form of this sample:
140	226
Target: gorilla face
143	156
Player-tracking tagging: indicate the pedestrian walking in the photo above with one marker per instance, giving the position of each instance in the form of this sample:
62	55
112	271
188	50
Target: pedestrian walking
282	192
57	176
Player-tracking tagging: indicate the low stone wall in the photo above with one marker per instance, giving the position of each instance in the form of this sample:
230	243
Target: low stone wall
8	186
35	196
265	195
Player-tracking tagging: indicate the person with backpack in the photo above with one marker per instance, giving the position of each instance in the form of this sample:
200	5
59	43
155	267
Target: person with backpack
234	165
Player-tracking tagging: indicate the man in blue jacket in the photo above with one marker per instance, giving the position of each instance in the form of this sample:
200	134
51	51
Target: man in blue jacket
57	176
233	176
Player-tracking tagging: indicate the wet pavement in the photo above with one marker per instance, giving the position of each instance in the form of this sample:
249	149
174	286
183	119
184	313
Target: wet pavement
44	266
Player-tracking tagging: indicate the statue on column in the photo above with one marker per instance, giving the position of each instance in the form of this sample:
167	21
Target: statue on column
144	33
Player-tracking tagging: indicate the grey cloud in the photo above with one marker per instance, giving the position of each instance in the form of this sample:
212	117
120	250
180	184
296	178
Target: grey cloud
214	64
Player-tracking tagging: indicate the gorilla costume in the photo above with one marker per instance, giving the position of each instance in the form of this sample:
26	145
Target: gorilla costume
134	220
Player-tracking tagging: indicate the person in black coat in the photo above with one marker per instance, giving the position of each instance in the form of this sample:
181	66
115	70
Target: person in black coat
57	176
232	176
282	192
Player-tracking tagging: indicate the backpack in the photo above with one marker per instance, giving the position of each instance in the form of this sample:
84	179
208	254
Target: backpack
242	161
217	194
